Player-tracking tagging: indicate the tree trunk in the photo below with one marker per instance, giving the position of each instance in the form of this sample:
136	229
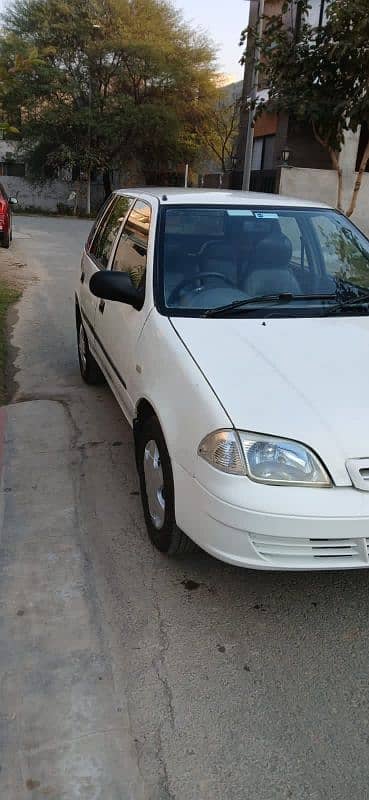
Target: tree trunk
107	183
335	159
336	164
358	181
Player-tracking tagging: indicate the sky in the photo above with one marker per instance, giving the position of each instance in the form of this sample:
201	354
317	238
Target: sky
224	21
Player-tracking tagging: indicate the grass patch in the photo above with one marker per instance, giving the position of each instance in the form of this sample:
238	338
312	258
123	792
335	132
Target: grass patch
8	296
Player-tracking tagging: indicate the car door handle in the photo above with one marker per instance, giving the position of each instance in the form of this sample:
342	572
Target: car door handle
82	277
101	306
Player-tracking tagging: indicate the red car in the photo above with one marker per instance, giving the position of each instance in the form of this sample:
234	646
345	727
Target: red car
6	225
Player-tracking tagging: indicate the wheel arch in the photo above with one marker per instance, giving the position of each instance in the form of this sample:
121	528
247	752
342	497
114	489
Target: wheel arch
77	309
144	411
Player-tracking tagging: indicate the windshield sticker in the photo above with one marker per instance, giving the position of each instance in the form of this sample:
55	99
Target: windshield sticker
266	215
239	212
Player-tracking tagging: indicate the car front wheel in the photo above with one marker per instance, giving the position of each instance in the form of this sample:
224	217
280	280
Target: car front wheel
157	490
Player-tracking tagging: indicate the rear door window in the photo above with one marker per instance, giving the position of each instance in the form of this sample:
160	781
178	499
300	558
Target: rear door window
107	232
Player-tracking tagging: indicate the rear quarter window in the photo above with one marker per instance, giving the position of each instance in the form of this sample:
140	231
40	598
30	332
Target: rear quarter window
108	229
97	223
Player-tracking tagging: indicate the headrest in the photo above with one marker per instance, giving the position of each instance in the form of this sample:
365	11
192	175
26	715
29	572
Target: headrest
273	251
257	227
218	250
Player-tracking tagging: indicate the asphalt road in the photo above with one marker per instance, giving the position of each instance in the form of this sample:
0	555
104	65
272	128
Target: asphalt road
239	685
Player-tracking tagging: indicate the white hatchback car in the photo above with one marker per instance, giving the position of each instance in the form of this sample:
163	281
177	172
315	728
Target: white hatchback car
233	329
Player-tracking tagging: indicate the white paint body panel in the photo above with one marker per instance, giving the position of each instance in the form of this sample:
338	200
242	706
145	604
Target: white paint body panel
303	379
119	328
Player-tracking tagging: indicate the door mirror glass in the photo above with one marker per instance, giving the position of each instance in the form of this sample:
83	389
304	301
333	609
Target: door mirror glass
13	201
116	286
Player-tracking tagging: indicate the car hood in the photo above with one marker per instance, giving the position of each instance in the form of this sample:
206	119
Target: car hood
303	379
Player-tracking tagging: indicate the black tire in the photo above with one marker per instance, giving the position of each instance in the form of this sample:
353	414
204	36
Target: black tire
167	538
90	370
5	241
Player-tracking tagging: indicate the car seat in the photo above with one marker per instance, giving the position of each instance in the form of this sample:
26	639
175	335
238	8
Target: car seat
270	271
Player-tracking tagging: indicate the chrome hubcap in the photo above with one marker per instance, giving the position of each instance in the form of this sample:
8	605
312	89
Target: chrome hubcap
154	481
82	347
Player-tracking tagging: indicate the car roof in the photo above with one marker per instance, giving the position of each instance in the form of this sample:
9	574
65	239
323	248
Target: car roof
175	195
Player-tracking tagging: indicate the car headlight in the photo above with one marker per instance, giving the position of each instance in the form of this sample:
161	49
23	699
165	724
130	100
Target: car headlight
265	459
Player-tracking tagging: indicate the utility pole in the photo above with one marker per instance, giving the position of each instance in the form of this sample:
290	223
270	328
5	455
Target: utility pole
253	97
88	190
95	27
321	13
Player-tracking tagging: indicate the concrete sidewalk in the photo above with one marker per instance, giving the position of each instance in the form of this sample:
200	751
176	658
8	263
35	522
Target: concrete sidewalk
64	724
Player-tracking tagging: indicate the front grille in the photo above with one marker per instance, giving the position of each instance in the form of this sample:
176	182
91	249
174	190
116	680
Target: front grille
278	550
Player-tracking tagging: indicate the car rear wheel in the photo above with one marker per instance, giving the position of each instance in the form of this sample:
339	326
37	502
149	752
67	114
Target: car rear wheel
5	241
90	370
157	490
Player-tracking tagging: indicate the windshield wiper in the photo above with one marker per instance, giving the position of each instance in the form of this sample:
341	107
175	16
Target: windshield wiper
364	298
283	297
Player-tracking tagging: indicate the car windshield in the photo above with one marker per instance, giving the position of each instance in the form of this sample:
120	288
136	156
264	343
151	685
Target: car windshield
298	261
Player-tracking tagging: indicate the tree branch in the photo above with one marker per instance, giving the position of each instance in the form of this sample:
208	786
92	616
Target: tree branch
358	181
319	138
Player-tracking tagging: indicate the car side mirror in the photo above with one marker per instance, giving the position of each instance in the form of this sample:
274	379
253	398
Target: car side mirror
13	201
116	286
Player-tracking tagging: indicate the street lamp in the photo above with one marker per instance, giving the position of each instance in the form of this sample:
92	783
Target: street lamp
253	99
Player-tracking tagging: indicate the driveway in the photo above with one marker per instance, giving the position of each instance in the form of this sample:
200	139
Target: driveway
233	684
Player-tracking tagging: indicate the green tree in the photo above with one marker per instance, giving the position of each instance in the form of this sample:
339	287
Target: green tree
98	83
219	127
320	75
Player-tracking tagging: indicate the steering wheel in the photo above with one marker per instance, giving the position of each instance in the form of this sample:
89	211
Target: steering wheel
174	297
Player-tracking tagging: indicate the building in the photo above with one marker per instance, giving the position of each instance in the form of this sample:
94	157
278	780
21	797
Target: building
308	172
274	133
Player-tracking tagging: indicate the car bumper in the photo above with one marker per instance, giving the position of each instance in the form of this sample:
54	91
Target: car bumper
274	528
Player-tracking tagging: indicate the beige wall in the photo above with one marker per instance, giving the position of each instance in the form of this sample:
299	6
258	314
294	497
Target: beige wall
321	184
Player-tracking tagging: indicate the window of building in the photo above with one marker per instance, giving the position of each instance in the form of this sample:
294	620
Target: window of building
257	154
263	153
